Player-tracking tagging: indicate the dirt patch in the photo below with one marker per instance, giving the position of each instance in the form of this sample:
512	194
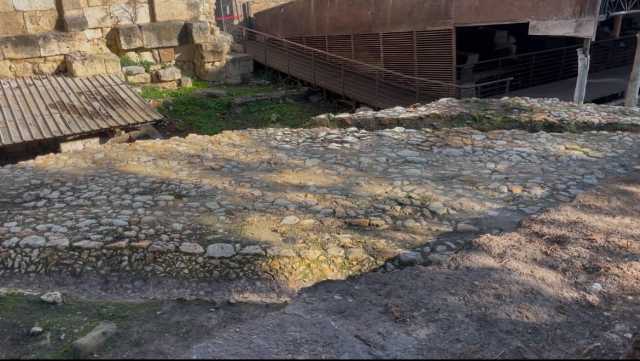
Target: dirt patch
564	285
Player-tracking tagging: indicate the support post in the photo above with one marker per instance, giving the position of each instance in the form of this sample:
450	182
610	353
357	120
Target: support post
631	98
584	60
617	26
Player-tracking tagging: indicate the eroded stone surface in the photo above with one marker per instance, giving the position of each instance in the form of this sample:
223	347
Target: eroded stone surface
303	205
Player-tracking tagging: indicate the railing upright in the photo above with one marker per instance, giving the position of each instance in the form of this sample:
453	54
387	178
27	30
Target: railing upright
286	47
313	68
377	83
342	77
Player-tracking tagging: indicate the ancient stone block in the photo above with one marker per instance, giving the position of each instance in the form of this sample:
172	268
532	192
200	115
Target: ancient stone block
20	47
98	17
213	72
185	53
62	43
133	70
22	69
6	69
72	5
212	52
165	10
75	20
200	32
93	34
129	37
168	74
238	68
49	68
146	56
170	85
167	55
32	5
164	35
112	64
143	78
12	24
40	21
6	6
133	56
83	64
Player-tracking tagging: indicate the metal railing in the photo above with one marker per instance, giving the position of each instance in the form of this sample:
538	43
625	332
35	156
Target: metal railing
619	7
366	83
542	67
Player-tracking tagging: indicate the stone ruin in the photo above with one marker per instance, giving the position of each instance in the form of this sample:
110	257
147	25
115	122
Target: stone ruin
166	41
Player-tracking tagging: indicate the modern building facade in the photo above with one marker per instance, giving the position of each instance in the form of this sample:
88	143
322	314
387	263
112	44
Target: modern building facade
465	42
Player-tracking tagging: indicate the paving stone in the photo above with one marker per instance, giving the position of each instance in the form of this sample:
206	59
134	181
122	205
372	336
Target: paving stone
299	196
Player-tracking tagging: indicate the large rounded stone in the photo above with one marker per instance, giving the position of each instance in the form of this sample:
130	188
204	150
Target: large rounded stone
221	250
191	248
33	242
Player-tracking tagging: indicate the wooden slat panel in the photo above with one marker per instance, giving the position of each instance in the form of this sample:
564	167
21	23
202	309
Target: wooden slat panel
48	107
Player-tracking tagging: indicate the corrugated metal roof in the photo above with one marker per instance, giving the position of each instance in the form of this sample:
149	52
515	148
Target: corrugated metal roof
53	106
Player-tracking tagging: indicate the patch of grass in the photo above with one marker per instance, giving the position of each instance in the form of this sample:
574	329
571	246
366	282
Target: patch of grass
209	116
156	93
270	114
62	324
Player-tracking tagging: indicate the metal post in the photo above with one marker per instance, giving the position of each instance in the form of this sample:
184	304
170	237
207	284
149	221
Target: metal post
265	51
342	76
584	60
617	26
313	67
286	46
631	98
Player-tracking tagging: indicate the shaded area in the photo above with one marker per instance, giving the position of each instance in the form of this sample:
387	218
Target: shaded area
521	294
529	293
601	85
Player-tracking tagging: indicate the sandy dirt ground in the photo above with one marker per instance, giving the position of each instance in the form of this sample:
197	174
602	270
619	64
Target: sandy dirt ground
566	284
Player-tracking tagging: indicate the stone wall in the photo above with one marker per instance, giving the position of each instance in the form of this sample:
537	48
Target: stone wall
88	37
27	16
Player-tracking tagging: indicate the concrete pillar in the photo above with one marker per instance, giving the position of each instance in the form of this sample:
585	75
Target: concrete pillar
584	61
617	26
631	98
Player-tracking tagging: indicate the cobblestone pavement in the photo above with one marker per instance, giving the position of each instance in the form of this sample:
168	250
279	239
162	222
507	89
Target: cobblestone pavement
297	205
486	114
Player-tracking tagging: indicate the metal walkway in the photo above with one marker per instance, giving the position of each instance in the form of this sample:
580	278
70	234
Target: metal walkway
600	86
365	83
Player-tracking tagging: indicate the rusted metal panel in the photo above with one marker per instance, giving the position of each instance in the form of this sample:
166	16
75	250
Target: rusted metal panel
49	107
327	17
367	83
426	54
337	17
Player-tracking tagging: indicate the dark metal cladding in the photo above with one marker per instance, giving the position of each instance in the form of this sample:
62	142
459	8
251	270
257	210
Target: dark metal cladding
50	107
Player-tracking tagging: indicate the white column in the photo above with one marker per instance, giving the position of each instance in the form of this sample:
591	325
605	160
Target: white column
584	61
631	98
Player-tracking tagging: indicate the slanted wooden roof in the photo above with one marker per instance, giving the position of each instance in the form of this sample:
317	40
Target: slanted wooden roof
52	107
